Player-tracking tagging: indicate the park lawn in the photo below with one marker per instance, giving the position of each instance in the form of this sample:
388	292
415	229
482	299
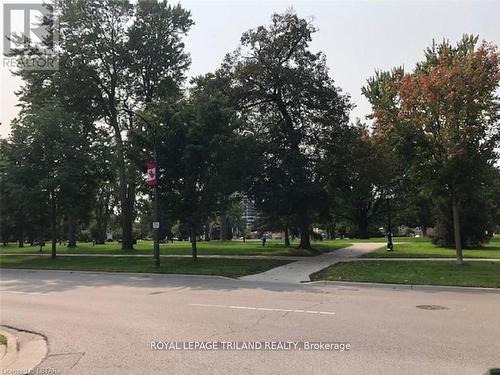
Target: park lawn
3	340
203	266
184	248
423	248
477	273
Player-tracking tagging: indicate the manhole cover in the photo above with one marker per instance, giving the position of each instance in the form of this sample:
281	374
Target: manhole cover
431	307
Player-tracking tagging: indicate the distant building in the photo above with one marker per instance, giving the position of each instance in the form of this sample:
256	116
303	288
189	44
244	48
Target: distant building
249	212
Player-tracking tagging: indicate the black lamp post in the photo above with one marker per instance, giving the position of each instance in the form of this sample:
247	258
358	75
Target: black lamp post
390	246
156	223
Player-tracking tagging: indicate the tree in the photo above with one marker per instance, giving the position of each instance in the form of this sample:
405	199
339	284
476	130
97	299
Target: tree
198	170
112	54
123	53
231	218
447	123
359	178
17	192
54	165
292	105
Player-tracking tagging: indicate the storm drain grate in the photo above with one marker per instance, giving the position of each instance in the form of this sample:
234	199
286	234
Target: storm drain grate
431	307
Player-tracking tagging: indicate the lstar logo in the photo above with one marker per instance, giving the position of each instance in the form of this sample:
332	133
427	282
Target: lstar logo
29	34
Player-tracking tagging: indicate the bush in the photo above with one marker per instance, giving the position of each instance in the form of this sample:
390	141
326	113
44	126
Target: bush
476	226
85	236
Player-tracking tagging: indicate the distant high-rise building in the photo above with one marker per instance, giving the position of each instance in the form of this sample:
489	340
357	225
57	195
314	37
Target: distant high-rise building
249	213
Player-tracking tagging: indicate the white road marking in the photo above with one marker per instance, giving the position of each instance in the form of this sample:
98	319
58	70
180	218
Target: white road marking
264	309
205	305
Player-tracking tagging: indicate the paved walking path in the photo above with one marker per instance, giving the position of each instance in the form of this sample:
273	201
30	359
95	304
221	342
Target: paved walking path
296	272
280	257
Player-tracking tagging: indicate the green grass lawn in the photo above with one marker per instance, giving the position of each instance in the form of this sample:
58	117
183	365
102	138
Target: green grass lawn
423	248
3	340
480	274
184	248
222	267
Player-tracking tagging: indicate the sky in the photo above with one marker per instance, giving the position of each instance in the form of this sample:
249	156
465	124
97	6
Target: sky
358	37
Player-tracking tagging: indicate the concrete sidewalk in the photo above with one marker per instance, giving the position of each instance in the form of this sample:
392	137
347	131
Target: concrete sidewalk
300	270
215	256
25	350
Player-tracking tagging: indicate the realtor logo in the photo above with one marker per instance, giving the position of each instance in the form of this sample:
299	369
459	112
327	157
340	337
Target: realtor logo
27	37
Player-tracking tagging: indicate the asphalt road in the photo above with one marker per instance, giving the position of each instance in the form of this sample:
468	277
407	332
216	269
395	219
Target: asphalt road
105	323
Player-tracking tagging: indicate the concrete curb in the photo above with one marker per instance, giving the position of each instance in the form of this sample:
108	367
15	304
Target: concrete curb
207	256
11	351
437	288
122	273
28	351
405	259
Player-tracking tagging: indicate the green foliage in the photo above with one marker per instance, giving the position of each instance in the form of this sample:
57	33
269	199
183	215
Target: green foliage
198	170
290	103
358	171
85	236
442	120
50	168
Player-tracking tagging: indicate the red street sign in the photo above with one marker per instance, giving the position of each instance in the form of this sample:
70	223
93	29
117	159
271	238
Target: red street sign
151	175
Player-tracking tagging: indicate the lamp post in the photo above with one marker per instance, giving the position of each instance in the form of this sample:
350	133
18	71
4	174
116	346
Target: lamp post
40	241
152	180
390	246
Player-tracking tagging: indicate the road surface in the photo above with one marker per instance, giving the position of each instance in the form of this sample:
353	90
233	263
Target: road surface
105	324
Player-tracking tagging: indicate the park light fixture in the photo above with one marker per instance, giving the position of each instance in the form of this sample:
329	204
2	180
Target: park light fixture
390	245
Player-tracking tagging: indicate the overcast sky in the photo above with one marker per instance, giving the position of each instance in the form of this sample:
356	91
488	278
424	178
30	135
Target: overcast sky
357	37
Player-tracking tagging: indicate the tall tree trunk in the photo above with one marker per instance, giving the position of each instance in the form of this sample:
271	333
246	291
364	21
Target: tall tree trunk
332	229
128	217
305	235
125	204
40	243
53	225
456	230
224	228
71	231
102	216
207	231
21	239
362	226
194	250
101	235
287	237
